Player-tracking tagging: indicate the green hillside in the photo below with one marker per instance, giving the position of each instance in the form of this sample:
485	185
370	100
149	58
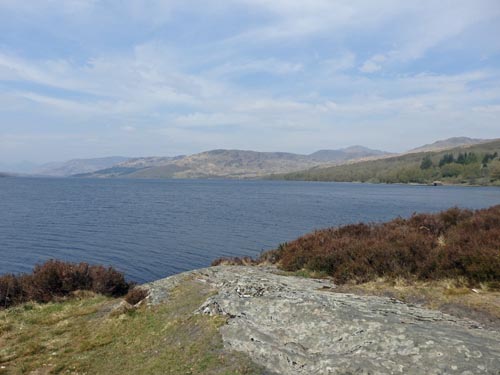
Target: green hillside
477	164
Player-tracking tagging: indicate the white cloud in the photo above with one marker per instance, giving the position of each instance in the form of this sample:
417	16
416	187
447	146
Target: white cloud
273	105
193	79
136	82
208	120
373	64
339	63
271	66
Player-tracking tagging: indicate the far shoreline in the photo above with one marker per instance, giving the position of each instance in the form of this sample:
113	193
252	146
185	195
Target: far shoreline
120	178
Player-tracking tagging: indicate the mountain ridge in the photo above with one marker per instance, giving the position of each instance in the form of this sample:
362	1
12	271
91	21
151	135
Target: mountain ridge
347	153
445	144
473	164
76	166
228	163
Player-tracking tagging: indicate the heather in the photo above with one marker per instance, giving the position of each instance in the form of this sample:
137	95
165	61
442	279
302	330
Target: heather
56	279
456	243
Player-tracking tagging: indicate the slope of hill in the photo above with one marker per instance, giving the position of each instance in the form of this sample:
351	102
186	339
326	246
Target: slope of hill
476	164
228	164
76	166
344	154
446	144
215	163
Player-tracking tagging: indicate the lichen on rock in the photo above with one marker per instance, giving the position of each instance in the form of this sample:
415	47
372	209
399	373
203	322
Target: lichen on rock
295	325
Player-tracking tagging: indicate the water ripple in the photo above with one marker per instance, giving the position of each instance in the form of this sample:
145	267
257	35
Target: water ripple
154	228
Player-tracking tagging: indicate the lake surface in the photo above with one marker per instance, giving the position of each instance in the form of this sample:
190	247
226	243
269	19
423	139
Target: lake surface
154	228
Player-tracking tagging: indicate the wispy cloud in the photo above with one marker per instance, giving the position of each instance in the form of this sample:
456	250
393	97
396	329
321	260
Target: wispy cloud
181	76
373	64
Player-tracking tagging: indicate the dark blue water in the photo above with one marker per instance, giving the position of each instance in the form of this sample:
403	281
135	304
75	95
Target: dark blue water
154	228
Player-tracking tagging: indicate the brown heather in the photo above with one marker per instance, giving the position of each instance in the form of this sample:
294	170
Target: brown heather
136	295
455	243
55	279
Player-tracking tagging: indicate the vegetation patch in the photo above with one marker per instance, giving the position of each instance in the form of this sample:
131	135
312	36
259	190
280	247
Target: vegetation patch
136	295
477	165
453	296
453	244
56	279
81	336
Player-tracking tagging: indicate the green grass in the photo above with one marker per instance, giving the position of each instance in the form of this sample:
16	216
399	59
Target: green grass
80	336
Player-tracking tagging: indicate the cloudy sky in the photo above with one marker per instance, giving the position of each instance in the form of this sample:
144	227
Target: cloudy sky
89	78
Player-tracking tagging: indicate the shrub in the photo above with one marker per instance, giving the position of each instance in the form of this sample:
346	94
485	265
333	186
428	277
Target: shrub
136	295
271	256
446	159
11	292
108	281
452	170
495	170
455	243
426	162
55	279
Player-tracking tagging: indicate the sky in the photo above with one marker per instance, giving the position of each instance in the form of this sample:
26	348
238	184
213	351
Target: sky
90	78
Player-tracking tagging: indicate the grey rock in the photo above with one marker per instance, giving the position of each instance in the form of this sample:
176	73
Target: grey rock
295	325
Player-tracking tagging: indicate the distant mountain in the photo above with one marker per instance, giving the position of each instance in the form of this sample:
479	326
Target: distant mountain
448	143
23	167
209	164
229	164
345	154
151	161
77	166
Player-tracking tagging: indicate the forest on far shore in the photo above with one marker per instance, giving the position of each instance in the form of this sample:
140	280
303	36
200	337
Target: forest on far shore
474	165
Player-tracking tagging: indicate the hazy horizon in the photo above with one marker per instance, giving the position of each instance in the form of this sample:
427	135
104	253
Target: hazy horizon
26	165
87	78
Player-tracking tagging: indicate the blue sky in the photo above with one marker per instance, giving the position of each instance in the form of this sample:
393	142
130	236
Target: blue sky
90	78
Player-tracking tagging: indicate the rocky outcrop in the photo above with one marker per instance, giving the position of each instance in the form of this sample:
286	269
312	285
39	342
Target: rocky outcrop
295	325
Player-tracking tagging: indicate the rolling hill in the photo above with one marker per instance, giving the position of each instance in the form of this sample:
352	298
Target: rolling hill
229	164
335	165
446	144
468	164
345	154
76	166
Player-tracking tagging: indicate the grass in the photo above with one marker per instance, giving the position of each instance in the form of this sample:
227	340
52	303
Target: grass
452	296
80	336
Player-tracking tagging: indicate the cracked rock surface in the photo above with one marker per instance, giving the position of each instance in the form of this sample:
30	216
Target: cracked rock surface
295	325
